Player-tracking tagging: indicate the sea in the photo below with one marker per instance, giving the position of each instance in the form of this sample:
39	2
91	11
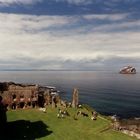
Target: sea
109	93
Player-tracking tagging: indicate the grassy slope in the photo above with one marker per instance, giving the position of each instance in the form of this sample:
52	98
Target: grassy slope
61	129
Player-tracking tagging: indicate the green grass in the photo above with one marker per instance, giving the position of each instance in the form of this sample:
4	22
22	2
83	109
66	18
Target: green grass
33	124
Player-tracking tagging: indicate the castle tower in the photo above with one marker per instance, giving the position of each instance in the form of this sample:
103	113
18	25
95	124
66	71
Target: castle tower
75	98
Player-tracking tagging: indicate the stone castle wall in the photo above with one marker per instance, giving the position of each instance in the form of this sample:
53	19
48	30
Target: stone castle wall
19	90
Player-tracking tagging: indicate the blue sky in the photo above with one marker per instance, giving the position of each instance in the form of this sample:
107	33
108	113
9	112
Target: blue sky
69	34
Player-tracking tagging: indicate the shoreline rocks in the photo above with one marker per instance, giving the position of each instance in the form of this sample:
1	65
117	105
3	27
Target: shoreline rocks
130	127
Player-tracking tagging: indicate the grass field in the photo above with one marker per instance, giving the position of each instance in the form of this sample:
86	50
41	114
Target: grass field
33	124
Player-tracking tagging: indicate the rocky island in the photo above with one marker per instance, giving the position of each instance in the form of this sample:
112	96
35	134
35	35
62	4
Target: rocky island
128	70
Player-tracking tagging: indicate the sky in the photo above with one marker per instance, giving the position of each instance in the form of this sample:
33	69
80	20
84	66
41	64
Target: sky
69	34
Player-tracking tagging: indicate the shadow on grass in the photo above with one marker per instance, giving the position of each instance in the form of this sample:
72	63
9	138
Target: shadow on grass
24	130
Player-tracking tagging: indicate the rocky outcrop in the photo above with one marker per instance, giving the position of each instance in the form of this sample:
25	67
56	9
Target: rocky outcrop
131	133
128	70
128	126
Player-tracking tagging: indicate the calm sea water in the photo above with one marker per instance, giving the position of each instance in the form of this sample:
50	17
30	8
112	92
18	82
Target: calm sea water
108	92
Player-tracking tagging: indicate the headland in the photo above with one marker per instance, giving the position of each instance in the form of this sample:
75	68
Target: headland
46	99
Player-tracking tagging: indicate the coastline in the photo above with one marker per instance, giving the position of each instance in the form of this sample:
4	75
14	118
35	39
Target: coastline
98	89
127	126
42	89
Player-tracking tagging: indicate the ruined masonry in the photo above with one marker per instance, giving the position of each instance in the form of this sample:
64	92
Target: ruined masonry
75	99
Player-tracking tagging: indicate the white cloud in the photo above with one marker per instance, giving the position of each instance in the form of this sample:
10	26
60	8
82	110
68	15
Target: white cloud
21	23
21	45
107	2
28	2
106	16
25	2
75	1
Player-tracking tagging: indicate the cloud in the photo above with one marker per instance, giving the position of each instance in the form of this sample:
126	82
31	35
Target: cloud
70	7
77	2
24	2
85	2
106	16
107	3
67	42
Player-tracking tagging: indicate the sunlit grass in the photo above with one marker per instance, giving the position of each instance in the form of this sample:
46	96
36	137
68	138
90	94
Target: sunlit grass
64	129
